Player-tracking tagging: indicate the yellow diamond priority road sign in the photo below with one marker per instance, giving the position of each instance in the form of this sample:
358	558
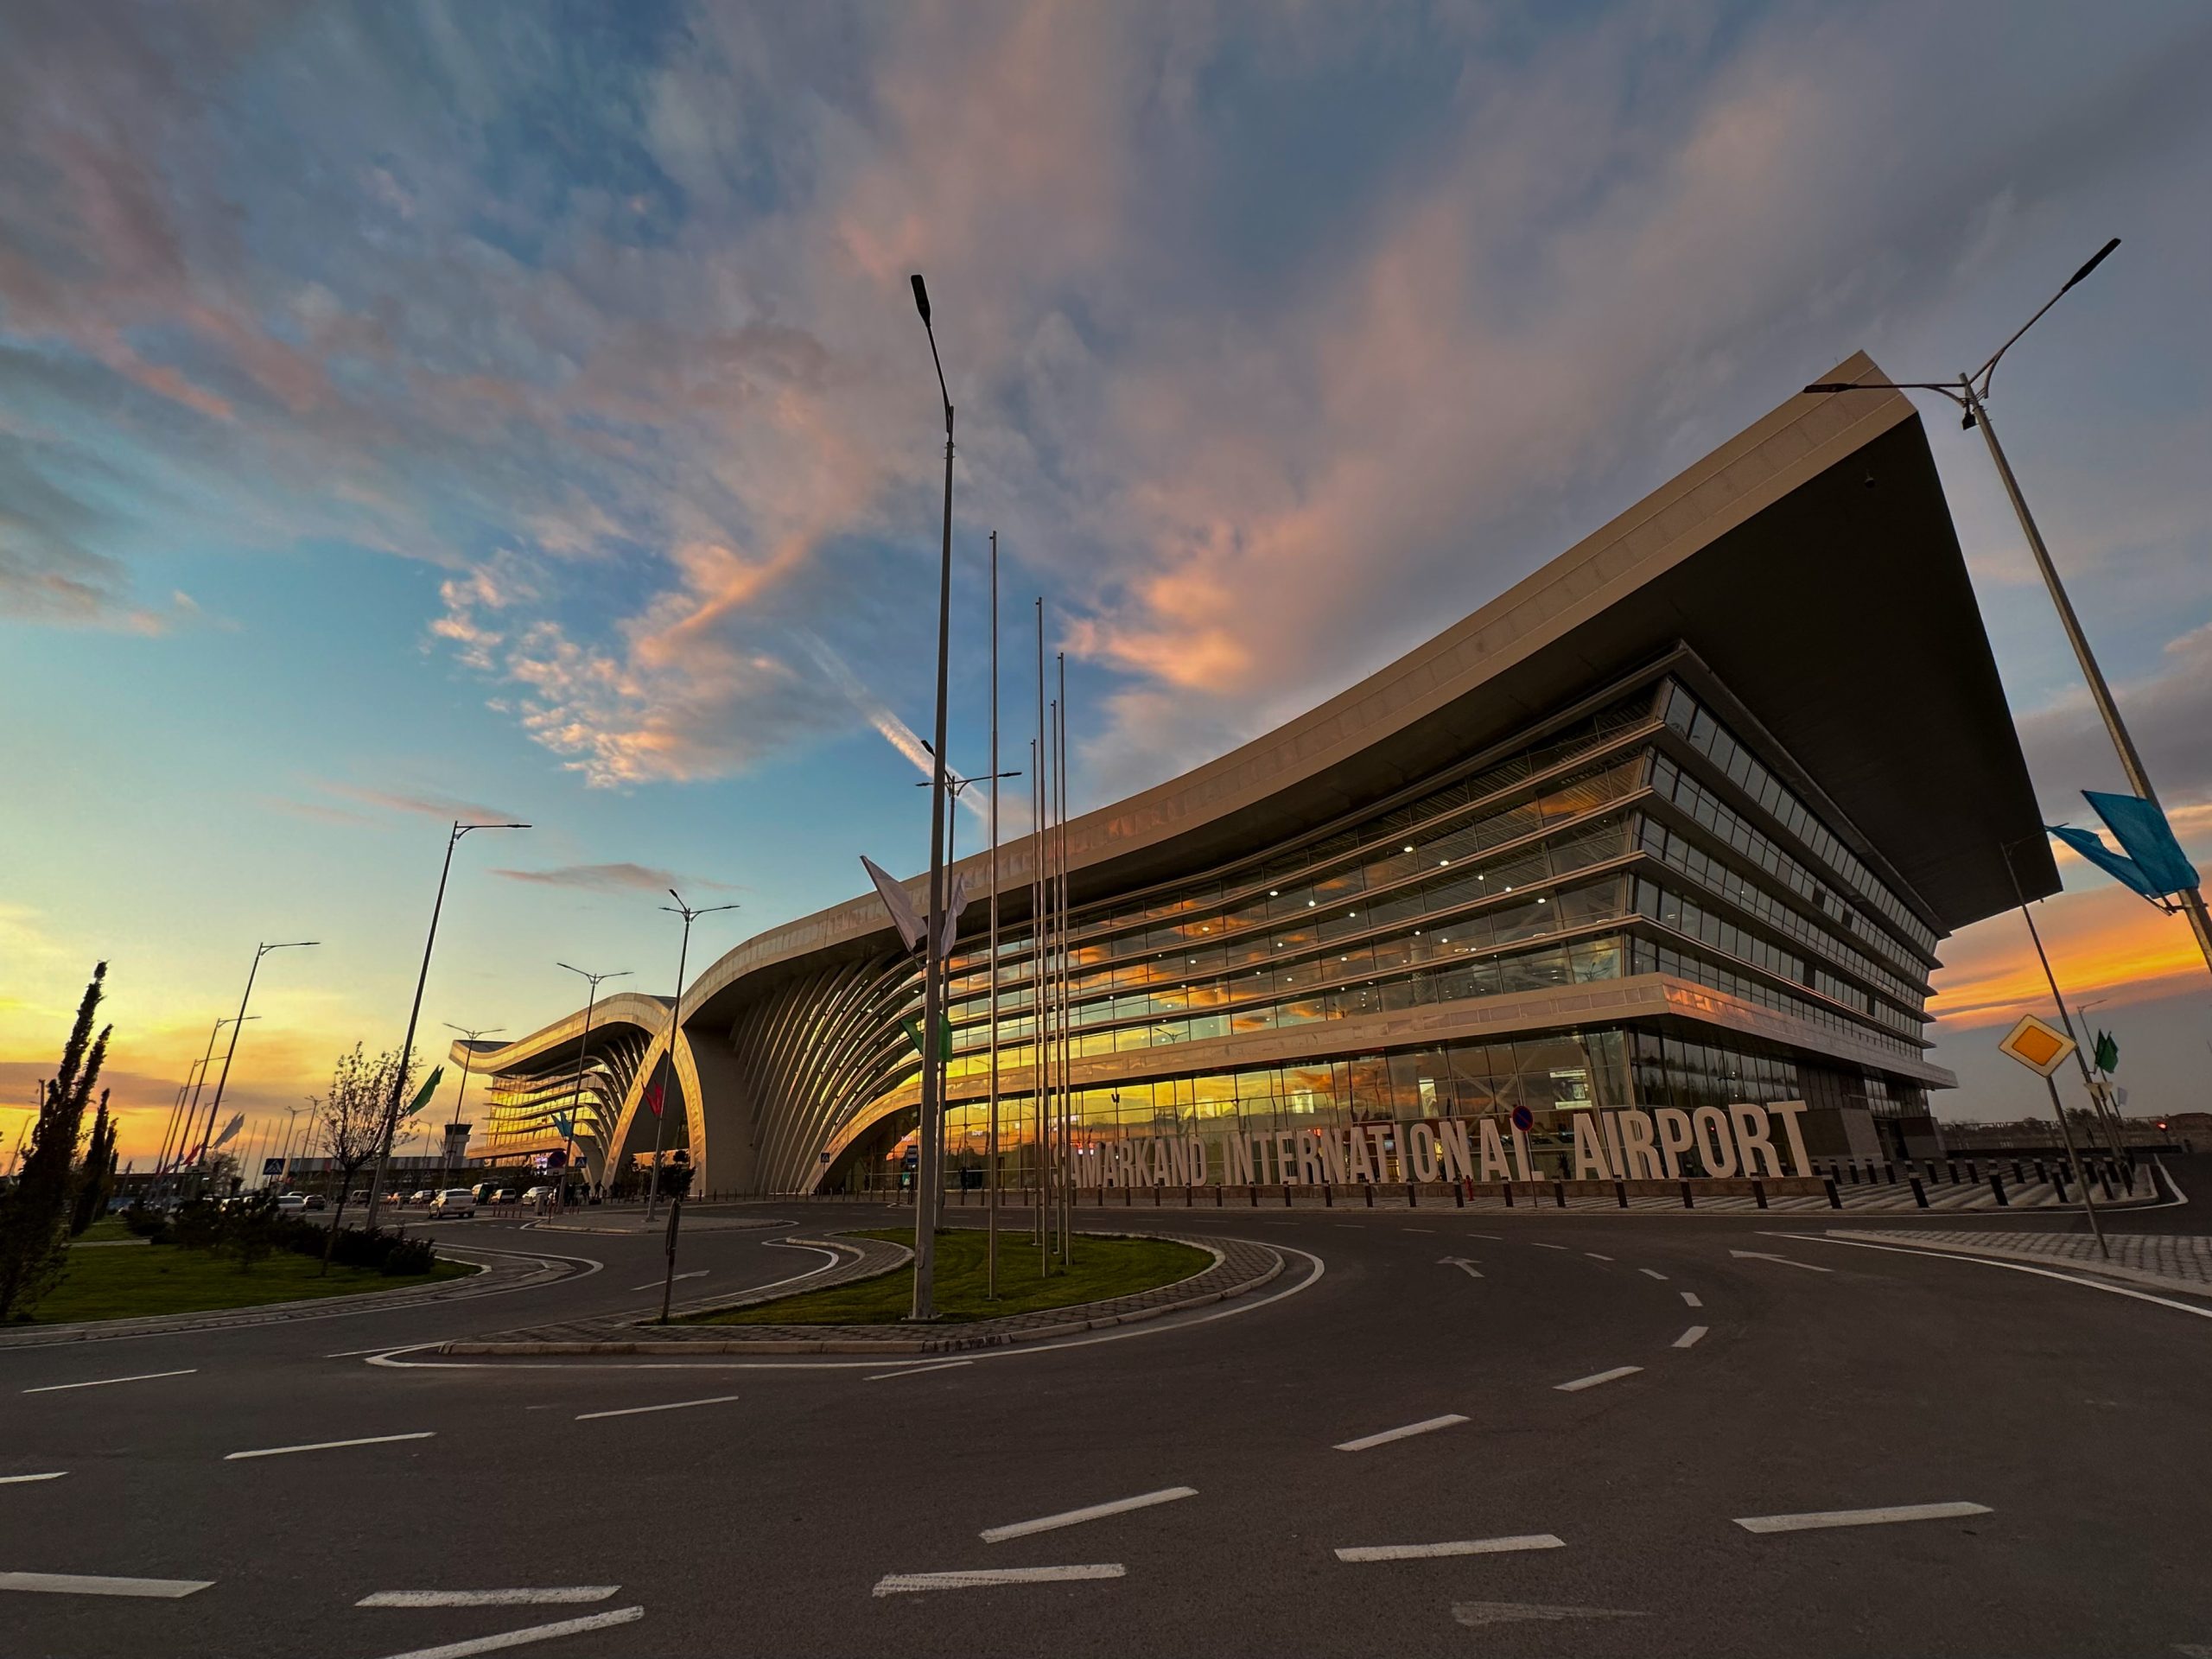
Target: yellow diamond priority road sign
2037	1044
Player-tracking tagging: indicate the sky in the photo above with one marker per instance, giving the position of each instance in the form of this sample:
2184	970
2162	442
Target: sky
415	411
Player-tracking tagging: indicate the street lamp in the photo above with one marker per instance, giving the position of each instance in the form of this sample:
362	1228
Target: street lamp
445	1154
930	1174
407	1047
1969	392
675	1025
583	1057
239	1019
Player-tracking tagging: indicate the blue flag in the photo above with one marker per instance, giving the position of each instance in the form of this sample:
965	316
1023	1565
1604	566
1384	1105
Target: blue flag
2153	863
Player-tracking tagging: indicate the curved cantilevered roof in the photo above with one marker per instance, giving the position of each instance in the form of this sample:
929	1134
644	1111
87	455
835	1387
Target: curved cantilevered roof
1809	561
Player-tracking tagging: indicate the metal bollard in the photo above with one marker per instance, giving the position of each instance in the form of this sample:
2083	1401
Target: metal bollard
1689	1203
1128	1196
1559	1194
1620	1193
1286	1195
1186	1198
1919	1193
1890	1174
2058	1183
1220	1195
1758	1194
1459	1196
2040	1176
1328	1196
1155	1198
1508	1188
1836	1199
1413	1200
1368	1187
1255	1190
1997	1190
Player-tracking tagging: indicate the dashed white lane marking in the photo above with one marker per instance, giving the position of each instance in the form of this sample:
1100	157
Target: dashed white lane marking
1592	1382
1477	1613
1540	1245
1427	1426
1493	1237
1462	1546
673	1405
1417	1229
326	1445
109	1382
916	1370
1095	1512
1820	1519
896	1584
700	1273
20	1480
1594	1256
1653	1272
84	1583
556	1593
1690	1299
533	1633
1690	1337
1769	1256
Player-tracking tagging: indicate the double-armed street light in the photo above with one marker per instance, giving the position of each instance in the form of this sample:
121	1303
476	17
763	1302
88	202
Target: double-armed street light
1970	392
675	1027
414	1013
468	1058
583	1059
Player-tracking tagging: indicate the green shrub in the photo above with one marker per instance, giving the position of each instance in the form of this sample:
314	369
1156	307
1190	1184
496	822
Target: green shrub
146	1223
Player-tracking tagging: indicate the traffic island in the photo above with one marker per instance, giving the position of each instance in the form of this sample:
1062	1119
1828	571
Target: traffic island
855	1304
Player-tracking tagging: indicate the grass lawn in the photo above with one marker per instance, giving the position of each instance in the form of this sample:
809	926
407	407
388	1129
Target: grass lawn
122	1284
106	1228
1103	1268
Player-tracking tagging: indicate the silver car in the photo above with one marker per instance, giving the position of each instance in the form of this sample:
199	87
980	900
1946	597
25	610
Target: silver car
452	1202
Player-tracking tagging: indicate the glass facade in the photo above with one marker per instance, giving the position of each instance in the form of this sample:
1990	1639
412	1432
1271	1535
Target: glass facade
1642	837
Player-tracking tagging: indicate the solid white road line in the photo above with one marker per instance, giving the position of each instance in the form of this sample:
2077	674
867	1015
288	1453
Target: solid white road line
2015	1266
1475	1614
700	1273
1594	1256
559	1594
1582	1383
1653	1272
1689	1338
1820	1519
1427	1426
1095	1512
896	1584
80	1584
1690	1299
19	1480
1769	1256
327	1445
916	1370
109	1382
673	1405
534	1633
1463	1546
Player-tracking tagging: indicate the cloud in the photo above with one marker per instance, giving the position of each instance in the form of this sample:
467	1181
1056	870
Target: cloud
615	878
2168	713
423	802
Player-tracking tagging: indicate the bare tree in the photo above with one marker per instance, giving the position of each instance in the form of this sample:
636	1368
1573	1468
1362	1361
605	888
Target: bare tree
350	1119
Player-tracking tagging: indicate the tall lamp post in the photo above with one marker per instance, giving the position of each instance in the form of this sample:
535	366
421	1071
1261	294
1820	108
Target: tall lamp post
583	1057
239	1019
675	1026
1970	392
414	1013
931	1175
460	1094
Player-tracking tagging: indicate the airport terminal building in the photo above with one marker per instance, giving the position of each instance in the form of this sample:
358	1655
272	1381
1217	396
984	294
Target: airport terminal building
1680	821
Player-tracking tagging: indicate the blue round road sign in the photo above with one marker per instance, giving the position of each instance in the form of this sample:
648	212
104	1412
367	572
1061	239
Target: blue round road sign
1523	1119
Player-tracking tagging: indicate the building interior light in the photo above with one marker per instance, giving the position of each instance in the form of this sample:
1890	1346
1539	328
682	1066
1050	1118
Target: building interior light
1409	846
1273	892
1441	862
1309	904
1351	912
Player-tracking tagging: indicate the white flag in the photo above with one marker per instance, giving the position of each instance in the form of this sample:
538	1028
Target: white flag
237	1122
910	926
955	902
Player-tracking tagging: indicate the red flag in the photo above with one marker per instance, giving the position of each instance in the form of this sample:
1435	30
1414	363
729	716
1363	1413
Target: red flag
652	1098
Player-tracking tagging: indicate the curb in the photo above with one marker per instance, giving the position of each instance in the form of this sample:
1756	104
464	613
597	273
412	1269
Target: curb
2092	1270
902	1347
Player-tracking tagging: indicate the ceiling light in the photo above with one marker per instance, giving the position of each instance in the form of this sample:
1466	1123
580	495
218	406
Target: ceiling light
1441	862
1309	904
1275	893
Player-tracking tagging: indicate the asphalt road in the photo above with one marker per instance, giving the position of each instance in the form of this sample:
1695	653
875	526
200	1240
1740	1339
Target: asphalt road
796	1507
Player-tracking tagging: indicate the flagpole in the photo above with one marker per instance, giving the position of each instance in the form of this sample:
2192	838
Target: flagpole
1067	976
1041	1068
991	1155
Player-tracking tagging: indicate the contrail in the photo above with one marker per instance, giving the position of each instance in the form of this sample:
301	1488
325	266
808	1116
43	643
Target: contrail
894	731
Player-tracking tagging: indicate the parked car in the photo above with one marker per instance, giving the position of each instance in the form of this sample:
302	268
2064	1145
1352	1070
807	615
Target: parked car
421	1196
485	1192
316	1201
290	1204
540	1195
452	1202
506	1195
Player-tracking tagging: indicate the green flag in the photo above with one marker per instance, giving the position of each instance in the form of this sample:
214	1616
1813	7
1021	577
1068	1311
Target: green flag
2107	1052
913	1030
423	1095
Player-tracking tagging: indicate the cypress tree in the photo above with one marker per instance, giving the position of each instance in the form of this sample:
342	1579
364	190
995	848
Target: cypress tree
35	1214
96	1178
